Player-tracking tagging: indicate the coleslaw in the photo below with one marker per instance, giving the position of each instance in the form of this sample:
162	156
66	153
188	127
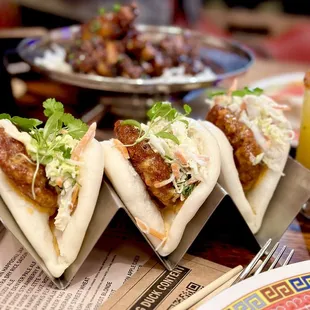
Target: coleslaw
169	134
265	118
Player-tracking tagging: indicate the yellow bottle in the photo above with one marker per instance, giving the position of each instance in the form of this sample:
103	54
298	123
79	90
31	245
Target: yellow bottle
303	150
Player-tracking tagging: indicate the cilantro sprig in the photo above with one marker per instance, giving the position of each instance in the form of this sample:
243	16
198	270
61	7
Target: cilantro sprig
160	110
25	124
216	93
188	190
240	92
101	11
165	110
58	119
58	123
116	7
246	91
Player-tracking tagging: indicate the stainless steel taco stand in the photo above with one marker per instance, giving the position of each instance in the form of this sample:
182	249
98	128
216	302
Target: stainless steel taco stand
293	191
108	205
105	210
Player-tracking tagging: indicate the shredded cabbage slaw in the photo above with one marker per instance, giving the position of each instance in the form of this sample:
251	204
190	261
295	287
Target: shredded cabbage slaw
271	129
57	146
177	148
61	172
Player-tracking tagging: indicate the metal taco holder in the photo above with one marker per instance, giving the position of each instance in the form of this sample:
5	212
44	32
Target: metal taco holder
282	210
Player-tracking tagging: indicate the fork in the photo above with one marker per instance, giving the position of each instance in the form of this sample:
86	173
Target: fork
256	261
224	281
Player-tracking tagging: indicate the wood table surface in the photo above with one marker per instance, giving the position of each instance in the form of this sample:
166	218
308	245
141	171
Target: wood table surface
223	252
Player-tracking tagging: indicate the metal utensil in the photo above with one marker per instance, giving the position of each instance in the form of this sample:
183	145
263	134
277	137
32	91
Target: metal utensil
247	271
224	281
305	211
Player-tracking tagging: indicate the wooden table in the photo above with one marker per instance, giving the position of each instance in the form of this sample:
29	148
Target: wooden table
298	234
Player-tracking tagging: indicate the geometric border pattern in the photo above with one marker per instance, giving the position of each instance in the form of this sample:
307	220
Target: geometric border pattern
292	293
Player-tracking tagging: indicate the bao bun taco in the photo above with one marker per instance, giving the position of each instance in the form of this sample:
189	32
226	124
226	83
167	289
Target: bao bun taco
50	179
163	171
254	139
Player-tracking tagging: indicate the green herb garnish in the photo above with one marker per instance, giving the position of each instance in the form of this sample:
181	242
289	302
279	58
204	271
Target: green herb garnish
75	127
187	109
47	140
188	190
58	124
57	119
162	116
65	151
168	157
246	91
25	124
167	135
239	93
164	110
101	11
116	7
95	26
51	106
160	110
5	116
217	93
185	122
131	122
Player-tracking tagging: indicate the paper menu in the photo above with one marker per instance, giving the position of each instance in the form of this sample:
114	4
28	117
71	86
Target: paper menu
23	285
153	287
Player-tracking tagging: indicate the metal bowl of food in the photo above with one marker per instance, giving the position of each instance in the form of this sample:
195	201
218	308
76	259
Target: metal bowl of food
134	58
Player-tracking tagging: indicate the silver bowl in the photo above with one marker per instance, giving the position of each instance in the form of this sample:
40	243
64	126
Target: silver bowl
227	59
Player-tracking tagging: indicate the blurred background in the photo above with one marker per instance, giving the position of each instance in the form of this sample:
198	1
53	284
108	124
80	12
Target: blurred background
270	27
278	30
249	20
